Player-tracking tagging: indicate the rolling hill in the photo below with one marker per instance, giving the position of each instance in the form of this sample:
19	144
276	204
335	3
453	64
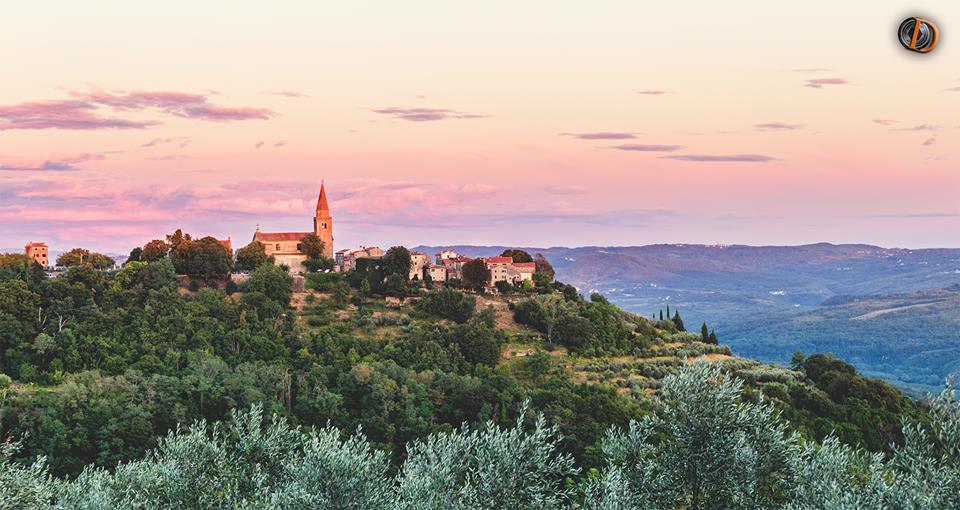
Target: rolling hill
769	301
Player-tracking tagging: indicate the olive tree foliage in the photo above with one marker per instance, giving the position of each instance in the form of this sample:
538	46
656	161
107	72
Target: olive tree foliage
706	449
491	468
24	487
243	464
924	473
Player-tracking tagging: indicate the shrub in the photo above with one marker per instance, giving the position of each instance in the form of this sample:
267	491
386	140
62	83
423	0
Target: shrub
449	304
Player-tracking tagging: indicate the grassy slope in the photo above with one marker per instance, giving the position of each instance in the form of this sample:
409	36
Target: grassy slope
816	408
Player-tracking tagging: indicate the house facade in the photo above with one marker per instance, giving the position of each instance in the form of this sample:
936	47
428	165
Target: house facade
39	253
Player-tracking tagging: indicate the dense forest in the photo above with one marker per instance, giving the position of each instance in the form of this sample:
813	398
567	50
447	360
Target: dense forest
444	397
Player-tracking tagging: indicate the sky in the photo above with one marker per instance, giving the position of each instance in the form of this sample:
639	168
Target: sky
510	123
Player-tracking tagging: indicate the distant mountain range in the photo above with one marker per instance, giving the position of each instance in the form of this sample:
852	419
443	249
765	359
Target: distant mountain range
768	301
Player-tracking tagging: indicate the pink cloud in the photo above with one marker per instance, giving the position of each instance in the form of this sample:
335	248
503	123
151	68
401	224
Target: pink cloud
602	135
777	126
293	94
652	92
180	141
81	112
69	114
883	122
929	141
817	83
55	163
638	147
425	114
711	158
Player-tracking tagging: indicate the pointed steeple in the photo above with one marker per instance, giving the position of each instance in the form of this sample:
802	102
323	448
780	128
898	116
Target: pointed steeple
322	201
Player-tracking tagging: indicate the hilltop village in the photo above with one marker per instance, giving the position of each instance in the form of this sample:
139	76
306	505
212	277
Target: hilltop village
304	252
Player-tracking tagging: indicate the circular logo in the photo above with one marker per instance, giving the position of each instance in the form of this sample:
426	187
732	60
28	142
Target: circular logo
918	34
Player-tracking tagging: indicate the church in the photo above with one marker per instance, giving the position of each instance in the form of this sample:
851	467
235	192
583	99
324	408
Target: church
285	247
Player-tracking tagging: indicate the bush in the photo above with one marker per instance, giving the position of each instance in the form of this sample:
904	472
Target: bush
449	304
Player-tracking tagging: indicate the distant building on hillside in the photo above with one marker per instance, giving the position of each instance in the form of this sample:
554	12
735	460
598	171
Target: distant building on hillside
285	247
437	272
450	254
39	253
346	259
418	262
504	269
454	264
228	244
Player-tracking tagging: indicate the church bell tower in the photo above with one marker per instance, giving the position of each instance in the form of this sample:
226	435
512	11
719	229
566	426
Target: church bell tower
323	223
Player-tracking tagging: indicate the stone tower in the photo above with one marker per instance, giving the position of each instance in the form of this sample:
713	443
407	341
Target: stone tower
323	223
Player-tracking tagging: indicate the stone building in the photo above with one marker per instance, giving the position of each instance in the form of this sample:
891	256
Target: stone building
504	269
437	272
38	252
418	262
285	247
346	259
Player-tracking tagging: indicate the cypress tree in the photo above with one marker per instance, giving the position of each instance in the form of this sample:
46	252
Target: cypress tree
705	333
713	337
661	314
678	321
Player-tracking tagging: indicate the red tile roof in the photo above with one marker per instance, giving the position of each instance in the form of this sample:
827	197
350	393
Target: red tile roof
280	236
499	260
227	244
525	265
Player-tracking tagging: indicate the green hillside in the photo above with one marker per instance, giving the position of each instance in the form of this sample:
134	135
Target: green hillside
103	364
910	339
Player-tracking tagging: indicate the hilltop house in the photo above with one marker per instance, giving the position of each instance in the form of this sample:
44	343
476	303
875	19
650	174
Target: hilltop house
418	262
38	252
345	260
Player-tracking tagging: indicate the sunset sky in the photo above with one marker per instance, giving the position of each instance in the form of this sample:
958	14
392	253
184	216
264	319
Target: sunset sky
537	123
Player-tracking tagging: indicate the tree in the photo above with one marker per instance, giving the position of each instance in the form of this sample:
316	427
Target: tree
707	450
134	255
517	255
156	250
488	467
204	257
543	268
20	266
476	275
396	261
713	337
704	333
573	331
395	285
678	321
797	361
312	245
252	256
272	281
449	304
79	256
176	238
